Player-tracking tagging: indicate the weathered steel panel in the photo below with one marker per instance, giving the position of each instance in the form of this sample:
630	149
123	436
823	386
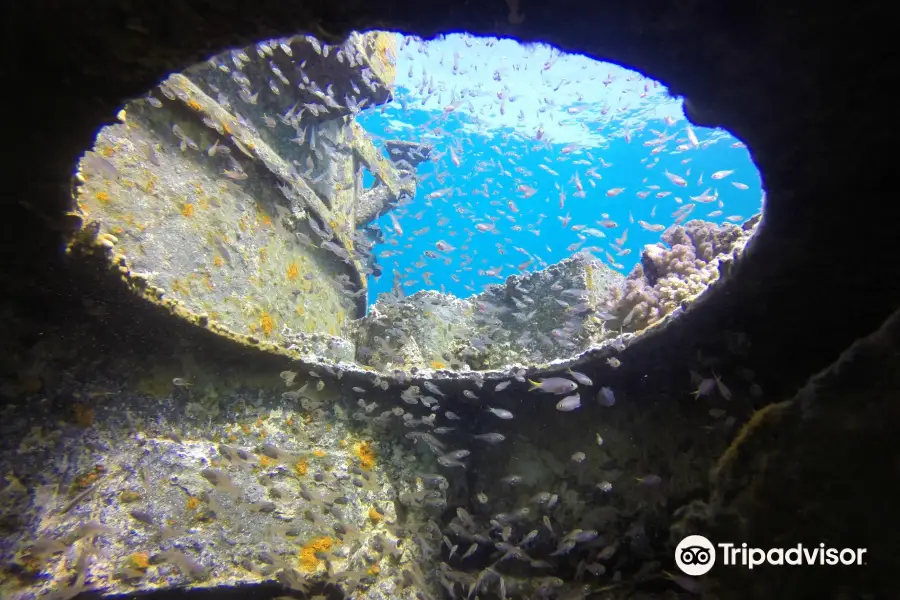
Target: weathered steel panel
209	191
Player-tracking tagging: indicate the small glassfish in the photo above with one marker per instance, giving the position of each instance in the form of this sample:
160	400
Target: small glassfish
581	378
553	385
491	438
723	389
434	389
649	480
569	403
501	413
705	388
606	397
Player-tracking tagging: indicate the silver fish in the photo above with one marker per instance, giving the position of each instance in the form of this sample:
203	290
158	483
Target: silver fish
553	385
650	480
433	389
581	378
605	397
501	413
569	403
491	438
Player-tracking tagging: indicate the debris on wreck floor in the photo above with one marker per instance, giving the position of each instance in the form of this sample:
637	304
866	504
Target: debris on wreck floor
153	473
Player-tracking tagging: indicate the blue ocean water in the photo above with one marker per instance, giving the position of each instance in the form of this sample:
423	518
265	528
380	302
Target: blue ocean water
514	130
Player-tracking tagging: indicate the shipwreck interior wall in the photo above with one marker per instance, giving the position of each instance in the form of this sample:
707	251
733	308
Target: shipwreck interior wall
803	87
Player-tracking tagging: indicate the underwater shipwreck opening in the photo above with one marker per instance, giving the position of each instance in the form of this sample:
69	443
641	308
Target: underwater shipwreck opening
460	204
429	211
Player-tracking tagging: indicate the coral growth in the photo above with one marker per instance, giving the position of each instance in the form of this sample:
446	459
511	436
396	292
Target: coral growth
267	323
309	561
671	274
366	455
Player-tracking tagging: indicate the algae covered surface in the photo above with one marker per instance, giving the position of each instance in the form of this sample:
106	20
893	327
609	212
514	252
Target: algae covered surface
129	470
191	462
317	478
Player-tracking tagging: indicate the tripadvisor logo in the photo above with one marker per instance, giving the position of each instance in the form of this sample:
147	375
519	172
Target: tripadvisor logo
695	555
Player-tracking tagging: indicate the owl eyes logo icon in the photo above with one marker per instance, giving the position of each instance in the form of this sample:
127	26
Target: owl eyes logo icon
695	555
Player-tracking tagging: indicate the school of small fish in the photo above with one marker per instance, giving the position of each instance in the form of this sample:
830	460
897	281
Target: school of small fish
489	186
492	203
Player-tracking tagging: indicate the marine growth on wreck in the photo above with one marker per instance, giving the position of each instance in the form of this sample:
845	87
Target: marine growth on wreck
435	239
463	204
